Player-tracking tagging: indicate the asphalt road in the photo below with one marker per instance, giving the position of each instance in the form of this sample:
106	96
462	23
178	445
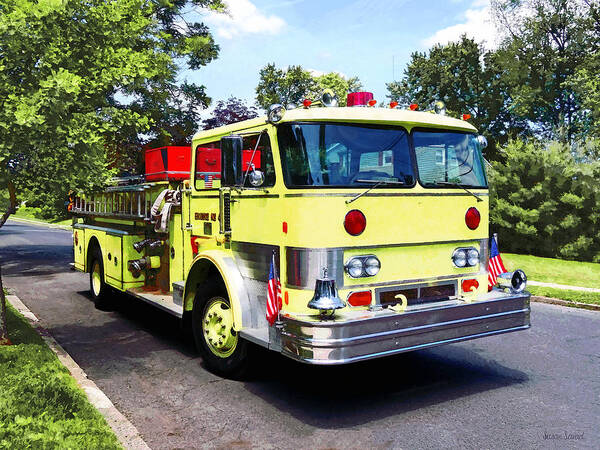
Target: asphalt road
538	388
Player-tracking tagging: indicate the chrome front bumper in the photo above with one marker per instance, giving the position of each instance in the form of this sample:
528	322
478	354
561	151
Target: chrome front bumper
360	335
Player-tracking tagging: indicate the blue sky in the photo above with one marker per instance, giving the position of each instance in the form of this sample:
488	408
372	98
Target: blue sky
354	37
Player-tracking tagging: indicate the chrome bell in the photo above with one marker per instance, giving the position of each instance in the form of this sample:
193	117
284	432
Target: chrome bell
326	297
515	281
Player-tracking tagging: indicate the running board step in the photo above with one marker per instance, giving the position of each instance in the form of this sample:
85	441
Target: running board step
162	301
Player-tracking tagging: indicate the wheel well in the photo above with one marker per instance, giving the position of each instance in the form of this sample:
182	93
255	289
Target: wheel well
93	245
202	272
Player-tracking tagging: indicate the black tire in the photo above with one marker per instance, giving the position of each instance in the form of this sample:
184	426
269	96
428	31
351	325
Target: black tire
98	288
227	362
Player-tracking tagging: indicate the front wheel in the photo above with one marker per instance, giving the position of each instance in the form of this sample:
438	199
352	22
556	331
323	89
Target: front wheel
221	347
98	288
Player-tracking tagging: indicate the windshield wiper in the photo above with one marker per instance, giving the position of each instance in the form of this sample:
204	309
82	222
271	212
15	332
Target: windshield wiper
377	183
451	183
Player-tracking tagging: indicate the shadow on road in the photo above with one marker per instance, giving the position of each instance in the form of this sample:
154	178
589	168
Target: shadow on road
324	397
32	261
350	395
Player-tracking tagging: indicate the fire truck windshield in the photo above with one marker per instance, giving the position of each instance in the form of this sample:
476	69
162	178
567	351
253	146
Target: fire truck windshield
345	155
448	158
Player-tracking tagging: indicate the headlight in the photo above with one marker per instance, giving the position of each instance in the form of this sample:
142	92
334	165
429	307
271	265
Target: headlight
363	266
465	257
472	257
459	257
354	268
372	266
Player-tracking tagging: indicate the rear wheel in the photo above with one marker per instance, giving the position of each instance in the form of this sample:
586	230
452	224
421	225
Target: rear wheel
98	288
222	349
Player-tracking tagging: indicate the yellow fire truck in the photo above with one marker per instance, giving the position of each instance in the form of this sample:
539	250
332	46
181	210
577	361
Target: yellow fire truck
375	221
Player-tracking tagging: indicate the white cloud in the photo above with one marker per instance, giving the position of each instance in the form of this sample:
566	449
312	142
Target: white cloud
318	73
243	18
477	25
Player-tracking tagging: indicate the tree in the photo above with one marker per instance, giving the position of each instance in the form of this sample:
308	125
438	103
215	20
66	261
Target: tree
80	81
468	80
286	87
231	111
585	81
294	84
545	43
545	200
338	84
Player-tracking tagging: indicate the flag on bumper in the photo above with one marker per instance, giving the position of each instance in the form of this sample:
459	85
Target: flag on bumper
496	266
273	294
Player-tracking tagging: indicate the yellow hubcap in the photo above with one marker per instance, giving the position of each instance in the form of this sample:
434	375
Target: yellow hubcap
217	328
96	279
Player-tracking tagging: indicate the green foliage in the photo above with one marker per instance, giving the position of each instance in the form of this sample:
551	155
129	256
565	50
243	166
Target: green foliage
232	111
41	406
546	44
283	86
552	270
545	201
541	82
566	294
294	84
80	81
468	80
336	82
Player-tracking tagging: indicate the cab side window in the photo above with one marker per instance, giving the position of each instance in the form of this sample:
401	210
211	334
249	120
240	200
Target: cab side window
208	165
208	161
261	159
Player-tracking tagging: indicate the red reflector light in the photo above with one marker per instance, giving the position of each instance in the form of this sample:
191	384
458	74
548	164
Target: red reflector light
195	244
355	222
306	103
413	107
284	227
470	285
393	104
472	218
362	298
466	116
372	102
76	239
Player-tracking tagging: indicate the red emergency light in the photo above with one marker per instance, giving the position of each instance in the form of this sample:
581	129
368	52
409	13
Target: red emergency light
359	98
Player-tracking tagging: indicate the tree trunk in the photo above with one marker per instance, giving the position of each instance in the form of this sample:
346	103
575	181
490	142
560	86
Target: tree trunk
3	326
13	203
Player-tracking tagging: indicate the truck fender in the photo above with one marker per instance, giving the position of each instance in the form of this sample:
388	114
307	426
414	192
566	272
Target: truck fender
231	277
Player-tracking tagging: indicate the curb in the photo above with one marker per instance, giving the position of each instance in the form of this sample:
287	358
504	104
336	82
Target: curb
126	432
557	301
38	222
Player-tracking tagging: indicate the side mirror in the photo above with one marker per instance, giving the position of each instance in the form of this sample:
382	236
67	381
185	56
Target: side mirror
256	177
231	160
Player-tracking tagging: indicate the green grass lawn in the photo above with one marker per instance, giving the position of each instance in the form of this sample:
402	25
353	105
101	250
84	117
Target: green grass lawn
563	294
27	212
41	405
550	270
558	271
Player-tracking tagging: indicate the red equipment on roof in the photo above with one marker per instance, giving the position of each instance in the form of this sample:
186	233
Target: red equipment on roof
168	163
359	98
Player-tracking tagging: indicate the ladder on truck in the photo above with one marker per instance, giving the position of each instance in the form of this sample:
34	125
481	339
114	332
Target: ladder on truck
129	202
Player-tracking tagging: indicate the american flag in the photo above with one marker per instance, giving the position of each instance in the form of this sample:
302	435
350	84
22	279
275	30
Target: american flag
273	294
496	266
208	179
